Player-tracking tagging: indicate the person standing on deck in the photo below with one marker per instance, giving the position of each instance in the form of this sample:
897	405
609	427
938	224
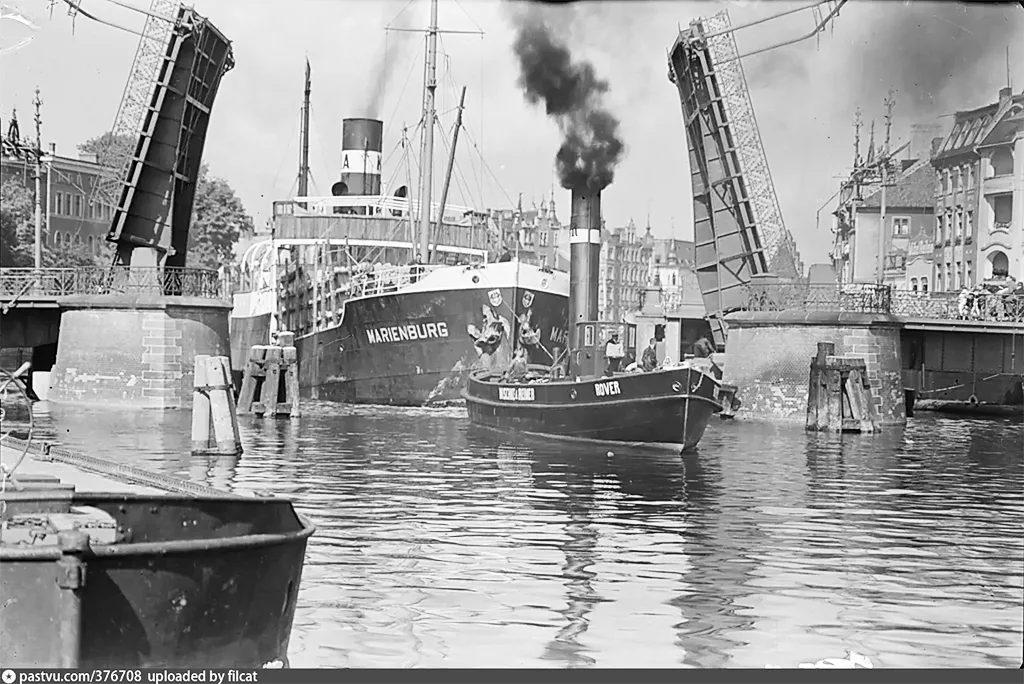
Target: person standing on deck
649	360
519	367
703	348
613	353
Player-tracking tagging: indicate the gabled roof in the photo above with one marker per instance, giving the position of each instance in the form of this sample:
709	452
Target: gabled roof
974	126
914	188
1009	125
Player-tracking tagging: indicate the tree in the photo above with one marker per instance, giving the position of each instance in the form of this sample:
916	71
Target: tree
218	220
110	149
218	217
17	224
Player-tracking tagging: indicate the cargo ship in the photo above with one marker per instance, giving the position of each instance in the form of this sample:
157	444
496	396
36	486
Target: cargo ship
392	300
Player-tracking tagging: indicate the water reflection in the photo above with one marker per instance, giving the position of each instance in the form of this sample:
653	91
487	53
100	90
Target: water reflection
442	545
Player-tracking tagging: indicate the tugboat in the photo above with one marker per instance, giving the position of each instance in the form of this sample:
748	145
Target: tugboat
671	406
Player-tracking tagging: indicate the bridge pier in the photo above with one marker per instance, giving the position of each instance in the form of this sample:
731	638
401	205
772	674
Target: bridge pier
768	356
134	351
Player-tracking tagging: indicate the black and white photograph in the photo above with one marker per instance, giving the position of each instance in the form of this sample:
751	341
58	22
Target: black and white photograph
481	339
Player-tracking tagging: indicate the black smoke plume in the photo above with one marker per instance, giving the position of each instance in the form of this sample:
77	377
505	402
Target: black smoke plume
573	95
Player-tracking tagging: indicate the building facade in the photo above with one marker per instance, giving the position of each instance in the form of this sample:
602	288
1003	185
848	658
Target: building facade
977	195
908	218
67	186
537	231
672	269
625	270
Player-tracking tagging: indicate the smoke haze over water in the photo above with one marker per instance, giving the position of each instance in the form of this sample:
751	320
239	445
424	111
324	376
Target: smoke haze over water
572	95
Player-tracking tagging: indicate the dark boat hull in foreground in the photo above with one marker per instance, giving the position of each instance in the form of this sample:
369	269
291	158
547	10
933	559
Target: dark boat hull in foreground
662	407
135	579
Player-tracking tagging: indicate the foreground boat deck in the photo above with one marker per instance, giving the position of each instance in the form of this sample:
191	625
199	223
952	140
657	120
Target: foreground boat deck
43	465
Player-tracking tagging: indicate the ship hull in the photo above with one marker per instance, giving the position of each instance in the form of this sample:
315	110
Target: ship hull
250	324
416	347
198	582
666	407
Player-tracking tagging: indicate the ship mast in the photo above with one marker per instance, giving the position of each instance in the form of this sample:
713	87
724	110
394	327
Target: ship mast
304	141
427	150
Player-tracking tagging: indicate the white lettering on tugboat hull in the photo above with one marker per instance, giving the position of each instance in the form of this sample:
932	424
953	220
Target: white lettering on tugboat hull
607	389
407	332
516	394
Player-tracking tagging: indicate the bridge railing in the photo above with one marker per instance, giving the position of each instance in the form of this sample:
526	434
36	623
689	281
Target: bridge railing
814	297
882	299
985	306
64	282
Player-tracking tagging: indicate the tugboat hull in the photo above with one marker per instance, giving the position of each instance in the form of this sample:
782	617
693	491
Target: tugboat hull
662	407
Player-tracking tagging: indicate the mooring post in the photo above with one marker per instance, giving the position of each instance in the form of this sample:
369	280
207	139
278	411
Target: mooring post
74	545
225	423
817	389
200	407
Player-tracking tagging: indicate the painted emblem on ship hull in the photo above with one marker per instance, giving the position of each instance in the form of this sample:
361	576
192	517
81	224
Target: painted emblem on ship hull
495	297
488	339
527	300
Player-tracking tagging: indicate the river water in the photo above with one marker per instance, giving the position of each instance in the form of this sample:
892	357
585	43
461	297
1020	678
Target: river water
440	545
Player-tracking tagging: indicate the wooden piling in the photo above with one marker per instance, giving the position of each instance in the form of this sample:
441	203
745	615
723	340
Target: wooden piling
214	420
839	394
271	382
251	378
200	408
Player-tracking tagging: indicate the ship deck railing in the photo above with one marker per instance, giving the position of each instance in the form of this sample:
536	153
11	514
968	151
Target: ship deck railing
374	206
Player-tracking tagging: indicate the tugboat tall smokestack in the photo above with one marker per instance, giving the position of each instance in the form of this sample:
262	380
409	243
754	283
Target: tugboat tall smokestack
584	260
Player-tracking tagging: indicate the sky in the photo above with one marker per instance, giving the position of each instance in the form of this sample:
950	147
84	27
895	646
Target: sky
937	57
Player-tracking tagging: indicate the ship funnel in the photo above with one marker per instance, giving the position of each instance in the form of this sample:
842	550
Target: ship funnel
361	144
584	259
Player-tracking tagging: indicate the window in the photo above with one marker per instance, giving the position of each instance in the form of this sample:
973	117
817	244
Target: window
957	274
968	278
969	225
1002	162
901	226
58	204
92	244
958	225
913	284
924	284
78	206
